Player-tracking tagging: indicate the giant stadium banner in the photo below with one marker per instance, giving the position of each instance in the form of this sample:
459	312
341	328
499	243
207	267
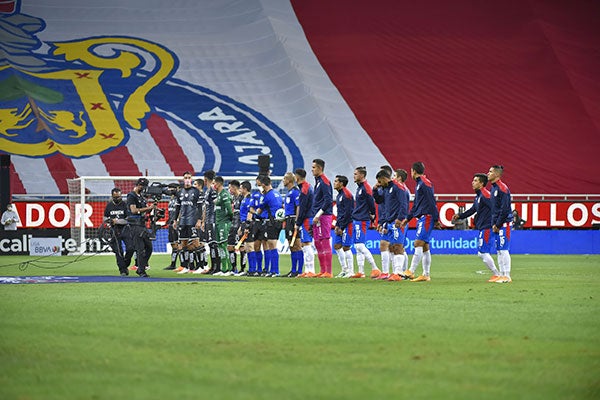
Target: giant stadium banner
132	87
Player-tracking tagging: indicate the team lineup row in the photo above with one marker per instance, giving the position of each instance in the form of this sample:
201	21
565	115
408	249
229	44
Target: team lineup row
236	220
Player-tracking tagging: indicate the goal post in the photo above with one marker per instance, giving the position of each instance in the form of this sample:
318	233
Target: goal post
88	196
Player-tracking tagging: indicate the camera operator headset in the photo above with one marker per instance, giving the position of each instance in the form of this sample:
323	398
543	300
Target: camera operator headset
136	219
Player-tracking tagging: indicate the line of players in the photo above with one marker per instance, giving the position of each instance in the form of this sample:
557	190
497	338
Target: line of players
202	211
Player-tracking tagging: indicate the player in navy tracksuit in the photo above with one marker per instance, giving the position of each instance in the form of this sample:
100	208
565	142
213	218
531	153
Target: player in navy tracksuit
246	227
425	209
344	236
501	221
364	212
304	223
483	221
323	217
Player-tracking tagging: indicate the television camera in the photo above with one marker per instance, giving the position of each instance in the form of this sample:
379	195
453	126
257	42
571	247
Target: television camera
155	192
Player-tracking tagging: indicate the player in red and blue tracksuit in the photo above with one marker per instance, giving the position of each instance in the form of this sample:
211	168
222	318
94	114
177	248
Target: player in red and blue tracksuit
343	238
304	223
323	216
364	212
481	208
395	197
501	210
425	210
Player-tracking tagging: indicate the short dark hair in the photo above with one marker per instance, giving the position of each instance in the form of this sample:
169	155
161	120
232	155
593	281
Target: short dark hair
319	162
246	185
301	172
342	179
388	169
264	180
499	169
187	173
235	183
384	173
418	167
362	170
115	190
210	174
200	182
219	179
402	174
482	178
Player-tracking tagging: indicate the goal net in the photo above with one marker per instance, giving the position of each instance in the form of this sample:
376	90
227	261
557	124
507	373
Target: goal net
89	195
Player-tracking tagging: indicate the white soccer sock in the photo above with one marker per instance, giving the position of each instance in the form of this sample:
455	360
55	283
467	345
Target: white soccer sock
506	261
350	261
309	259
405	262
427	263
385	261
360	260
398	263
362	249
489	262
341	254
416	259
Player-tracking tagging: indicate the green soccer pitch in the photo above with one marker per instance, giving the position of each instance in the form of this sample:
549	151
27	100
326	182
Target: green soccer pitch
456	337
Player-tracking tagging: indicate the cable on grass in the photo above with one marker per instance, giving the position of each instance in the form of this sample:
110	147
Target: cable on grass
42	262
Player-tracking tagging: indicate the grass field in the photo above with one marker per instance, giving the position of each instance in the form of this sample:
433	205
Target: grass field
456	337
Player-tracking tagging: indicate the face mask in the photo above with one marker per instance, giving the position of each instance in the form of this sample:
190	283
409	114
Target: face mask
117	200
187	182
9	208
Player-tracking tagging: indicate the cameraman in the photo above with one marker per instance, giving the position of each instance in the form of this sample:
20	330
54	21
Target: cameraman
114	215
140	238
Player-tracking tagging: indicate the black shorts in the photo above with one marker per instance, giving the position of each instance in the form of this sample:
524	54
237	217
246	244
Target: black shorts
210	233
173	234
233	237
255	225
187	232
290	223
269	229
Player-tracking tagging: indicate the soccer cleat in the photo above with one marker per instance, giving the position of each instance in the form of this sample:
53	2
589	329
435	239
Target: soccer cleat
375	273
311	275
503	279
407	274
184	271
421	278
394	278
383	277
302	275
133	268
341	275
358	275
179	268
494	278
326	275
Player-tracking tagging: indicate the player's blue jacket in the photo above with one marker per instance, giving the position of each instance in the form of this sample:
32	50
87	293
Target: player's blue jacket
292	200
345	205
365	204
482	208
424	203
257	198
305	201
501	204
396	202
323	196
